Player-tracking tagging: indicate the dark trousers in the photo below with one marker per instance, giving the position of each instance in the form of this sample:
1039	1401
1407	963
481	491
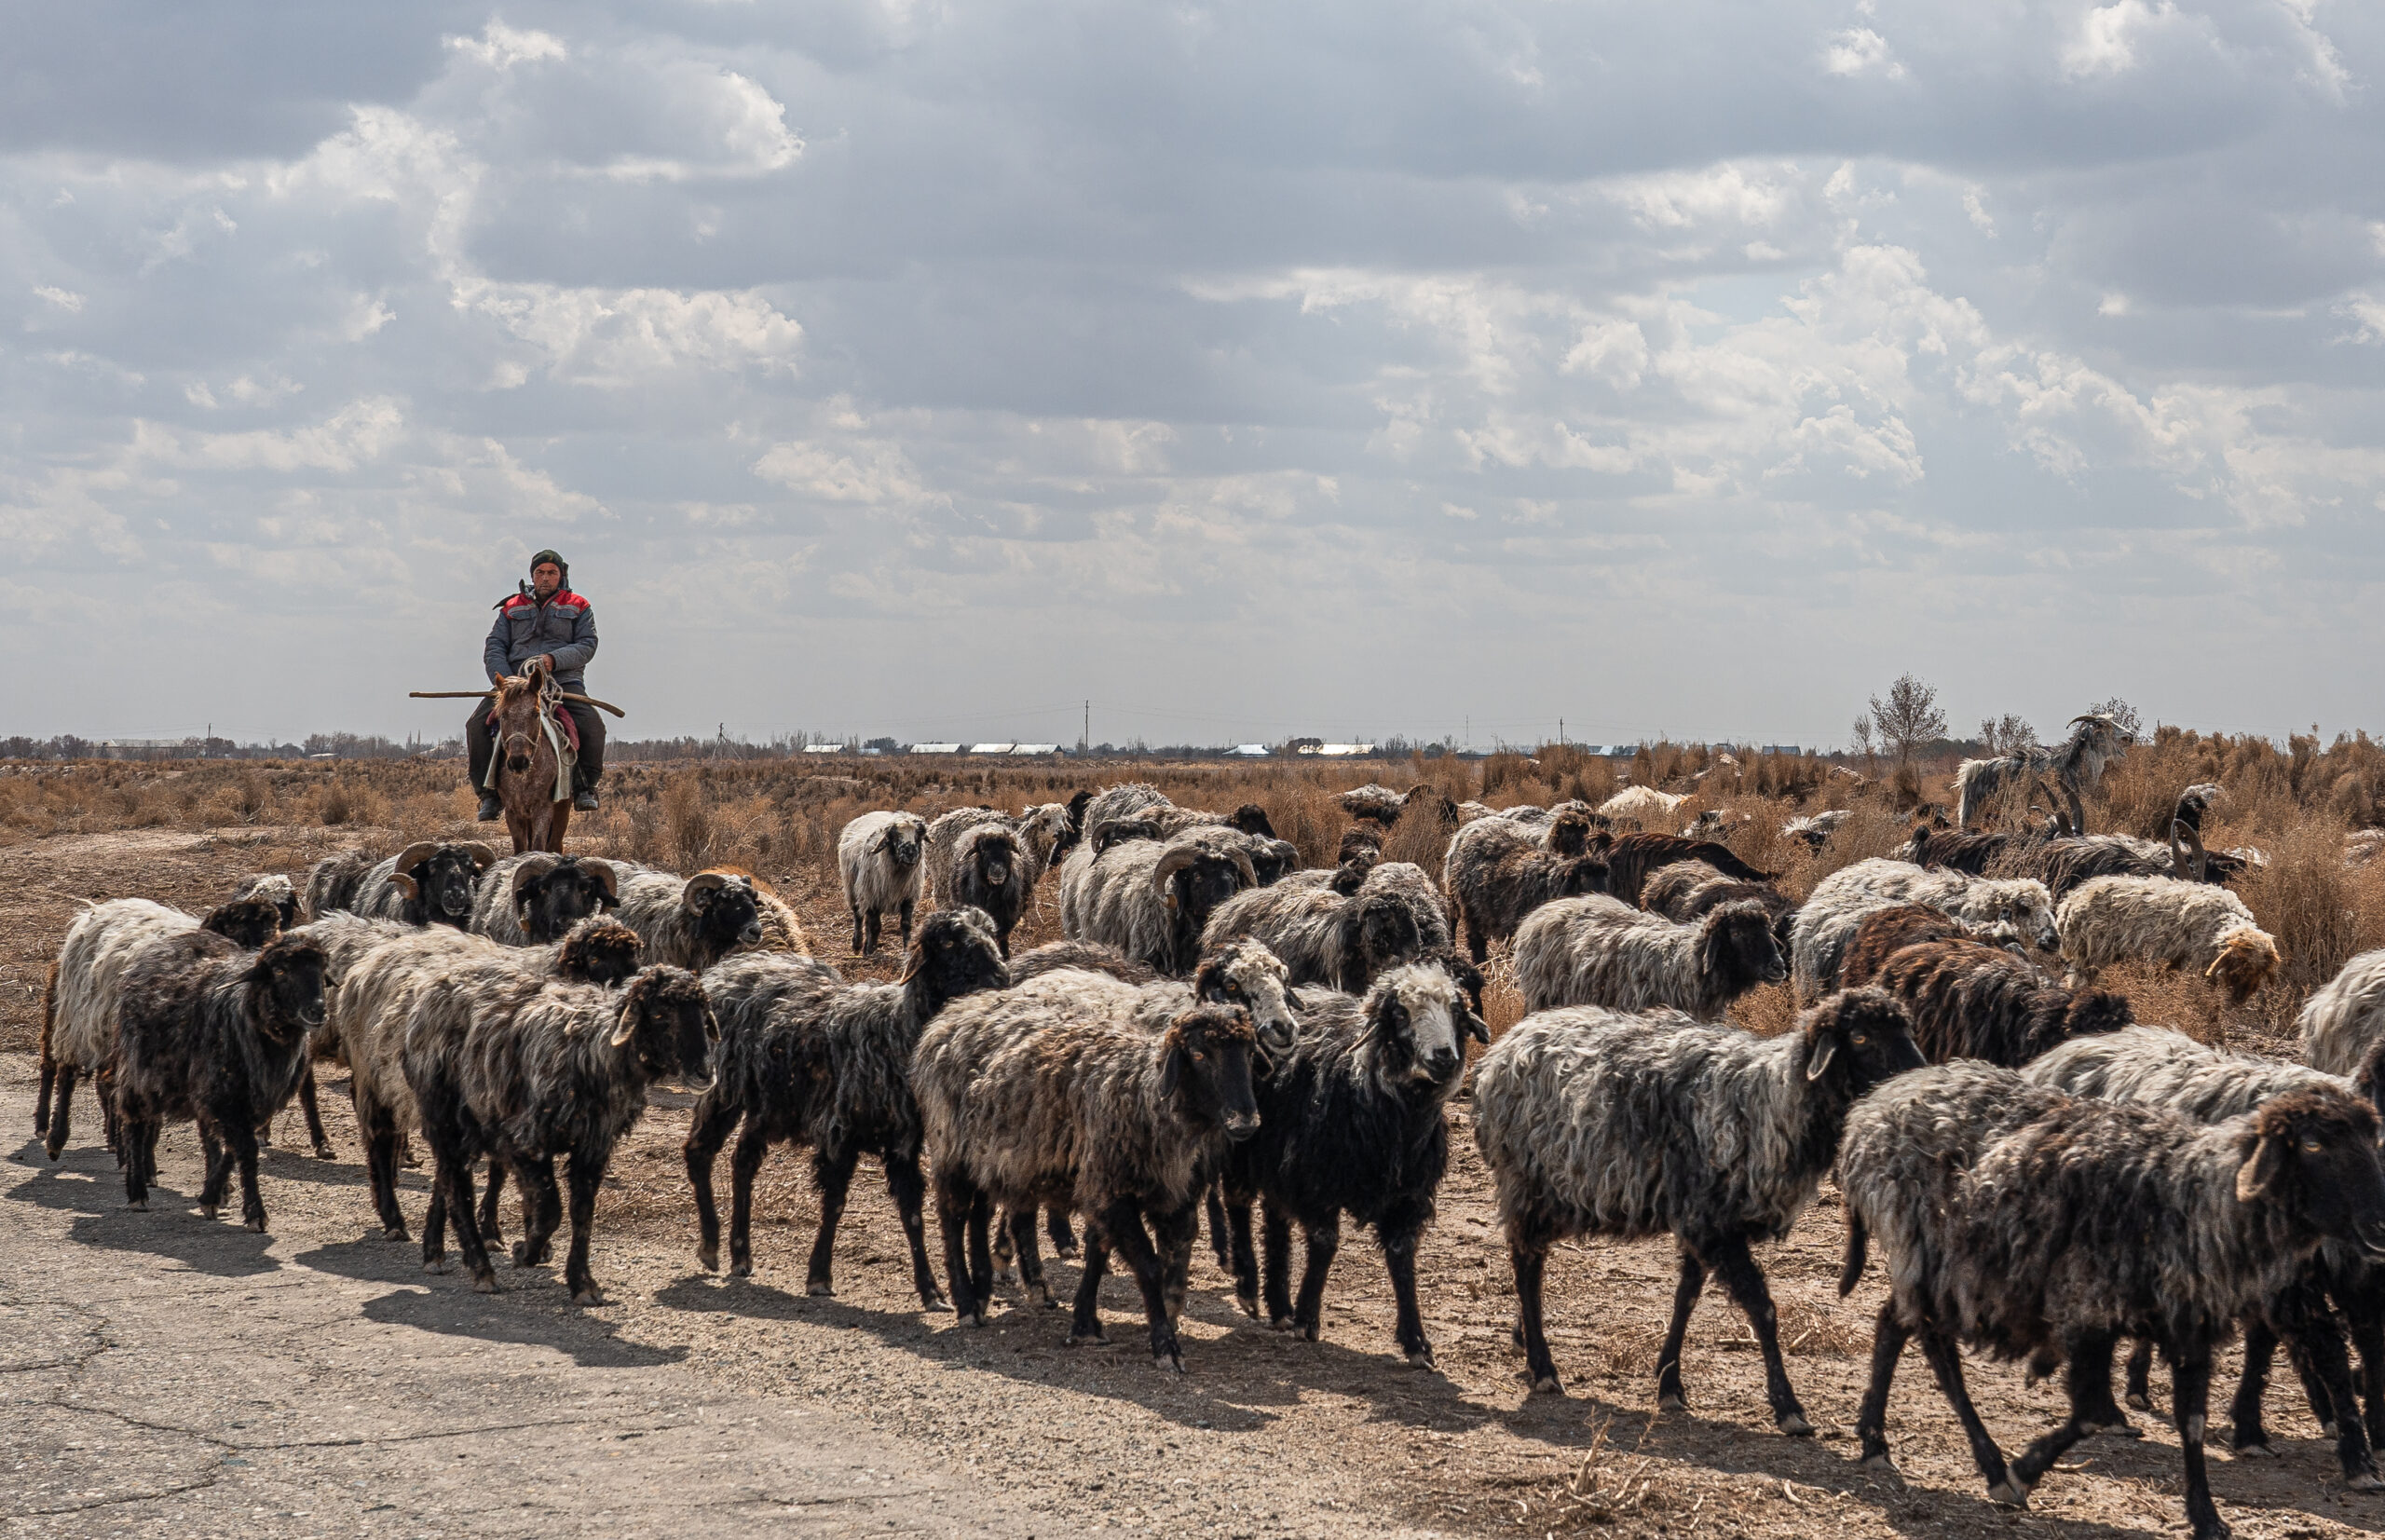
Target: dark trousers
480	746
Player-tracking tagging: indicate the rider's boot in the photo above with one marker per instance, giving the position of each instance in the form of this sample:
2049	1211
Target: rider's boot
491	809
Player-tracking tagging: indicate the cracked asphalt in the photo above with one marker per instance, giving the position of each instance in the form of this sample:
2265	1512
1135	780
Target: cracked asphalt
164	1375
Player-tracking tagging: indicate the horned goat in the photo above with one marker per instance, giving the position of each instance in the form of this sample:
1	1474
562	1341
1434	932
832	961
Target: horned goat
428	883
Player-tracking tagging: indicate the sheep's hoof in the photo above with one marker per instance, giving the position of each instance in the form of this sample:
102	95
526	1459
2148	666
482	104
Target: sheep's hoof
2365	1482
1883	1464
207	1210
2121	1428
1279	1323
818	1288
54	1150
934	1301
411	1161
1547	1385
323	1150
2010	1493
741	1267
708	1257
1249	1303
395	1232
1422	1357
1793	1424
975	1317
1001	1273
2138	1402
1065	1253
590	1295
1088	1339
2327	1430
139	1205
1169	1361
254	1227
436	1264
1673	1401
484	1283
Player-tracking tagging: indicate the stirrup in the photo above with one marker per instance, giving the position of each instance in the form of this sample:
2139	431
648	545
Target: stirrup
584	801
491	809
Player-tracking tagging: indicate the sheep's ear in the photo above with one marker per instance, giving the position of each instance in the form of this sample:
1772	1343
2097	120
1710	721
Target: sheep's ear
2260	1169
1824	1049
1476	1028
1171	1072
1292	998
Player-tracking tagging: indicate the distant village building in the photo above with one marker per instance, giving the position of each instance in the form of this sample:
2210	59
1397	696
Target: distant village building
936	748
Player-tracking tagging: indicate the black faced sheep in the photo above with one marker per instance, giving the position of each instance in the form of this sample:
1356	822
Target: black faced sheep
1602	951
2077	1222
1688	891
1041	831
990	874
1597	1121
534	898
564	1074
212	1032
1630	860
1120	1123
805	1056
1351	1122
427	884
692	922
1499	870
1322	936
1151	899
881	859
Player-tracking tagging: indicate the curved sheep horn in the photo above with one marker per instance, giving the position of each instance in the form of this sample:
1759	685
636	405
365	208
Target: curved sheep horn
704	882
482	857
604	873
1175	859
416	853
404	883
1242	864
531	868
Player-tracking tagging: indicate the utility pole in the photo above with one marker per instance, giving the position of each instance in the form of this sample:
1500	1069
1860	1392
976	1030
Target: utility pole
1085	743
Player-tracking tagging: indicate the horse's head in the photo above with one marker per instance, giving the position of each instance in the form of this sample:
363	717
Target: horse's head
519	738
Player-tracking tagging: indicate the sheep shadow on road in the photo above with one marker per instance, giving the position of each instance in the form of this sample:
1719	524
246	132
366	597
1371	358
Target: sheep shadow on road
87	1185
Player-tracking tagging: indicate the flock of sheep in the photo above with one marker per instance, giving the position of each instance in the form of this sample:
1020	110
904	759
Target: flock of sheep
1223	1030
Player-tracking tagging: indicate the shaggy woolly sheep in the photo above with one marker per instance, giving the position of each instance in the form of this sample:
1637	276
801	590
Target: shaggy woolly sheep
1499	870
2035	1224
534	898
2158	920
1971	1000
1687	892
1040	830
880	858
427	884
1630	860
1827	919
1150	900
1089	956
2345	1016
1602	951
692	922
1885	931
1598	1121
990	874
807	1057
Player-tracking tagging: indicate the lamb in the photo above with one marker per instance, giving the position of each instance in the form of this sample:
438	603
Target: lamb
1322	936
2344	1018
535	897
427	884
2155	1067
83	997
448	980
1041	831
1828	921
212	1032
1118	1122
2158	920
690	922
1497	871
1151	899
807	1057
2035	1224
1885	931
1602	951
1630	859
1688	891
1971	1000
989	873
1351	1121
1599	1121
566	1073
880	858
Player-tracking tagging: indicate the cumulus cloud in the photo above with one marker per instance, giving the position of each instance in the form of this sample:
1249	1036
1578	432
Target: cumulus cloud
1388	382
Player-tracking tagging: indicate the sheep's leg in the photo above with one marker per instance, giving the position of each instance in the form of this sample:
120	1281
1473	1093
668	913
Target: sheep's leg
136	1174
2190	1395
1004	1255
2140	1375
1745	1280
1947	1363
434	1224
1019	1223
243	1141
1085	1325
832	1173
2367	1323
909	1190
457	1173
1246	1260
215	1158
1324	1242
708	1129
2090	1374
1055	1229
1530	1259
103	1092
1124	1224
1220	1243
2084	1354
492	1233
954	1199
1478	945
587	1173
41	1100
1277	1227
1888	1337
380	1169
321	1140
1173	1235
2248	1436
2298	1314
1693	1280
541	1210
907	906
981	1257
1397	1232
744	1165
62	1114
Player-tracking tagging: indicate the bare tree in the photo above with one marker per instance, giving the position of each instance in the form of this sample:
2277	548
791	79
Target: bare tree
2005	734
1865	746
1908	717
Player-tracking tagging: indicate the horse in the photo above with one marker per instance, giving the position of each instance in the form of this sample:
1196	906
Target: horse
534	788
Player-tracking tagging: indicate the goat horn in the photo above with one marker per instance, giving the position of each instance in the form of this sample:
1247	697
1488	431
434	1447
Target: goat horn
1173	860
482	856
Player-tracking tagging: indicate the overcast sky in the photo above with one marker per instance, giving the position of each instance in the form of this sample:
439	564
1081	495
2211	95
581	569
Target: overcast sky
1251	370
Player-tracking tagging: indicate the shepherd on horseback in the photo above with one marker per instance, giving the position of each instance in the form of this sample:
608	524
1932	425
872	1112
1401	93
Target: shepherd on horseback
543	627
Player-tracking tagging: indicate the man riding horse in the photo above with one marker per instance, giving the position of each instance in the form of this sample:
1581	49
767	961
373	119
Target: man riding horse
544	625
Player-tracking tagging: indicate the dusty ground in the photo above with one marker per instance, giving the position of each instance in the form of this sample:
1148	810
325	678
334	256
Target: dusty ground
1262	1436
